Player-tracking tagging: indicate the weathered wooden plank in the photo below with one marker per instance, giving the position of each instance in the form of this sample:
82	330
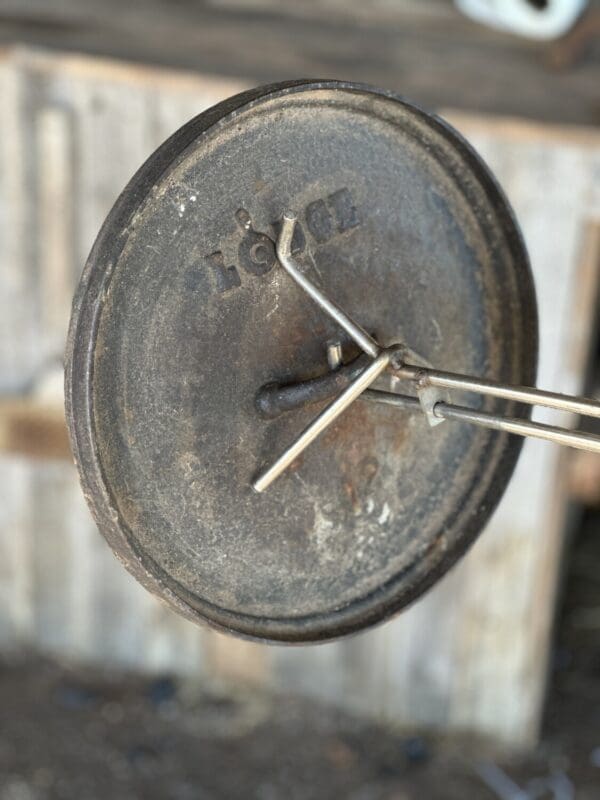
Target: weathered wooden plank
511	576
77	133
407	46
16	573
18	358
473	652
33	429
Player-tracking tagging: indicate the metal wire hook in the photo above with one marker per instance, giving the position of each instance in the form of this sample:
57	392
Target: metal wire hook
392	359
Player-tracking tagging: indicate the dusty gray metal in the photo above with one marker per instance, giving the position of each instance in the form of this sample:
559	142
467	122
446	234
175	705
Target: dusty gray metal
181	318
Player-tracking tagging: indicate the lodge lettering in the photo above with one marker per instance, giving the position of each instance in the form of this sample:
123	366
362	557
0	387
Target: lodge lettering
322	220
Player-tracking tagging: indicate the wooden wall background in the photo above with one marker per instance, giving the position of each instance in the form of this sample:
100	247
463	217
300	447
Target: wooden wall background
473	653
422	48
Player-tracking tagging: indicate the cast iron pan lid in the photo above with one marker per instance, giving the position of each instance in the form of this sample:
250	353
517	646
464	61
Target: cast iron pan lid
183	313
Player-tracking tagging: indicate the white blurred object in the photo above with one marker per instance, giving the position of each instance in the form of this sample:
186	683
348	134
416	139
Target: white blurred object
536	19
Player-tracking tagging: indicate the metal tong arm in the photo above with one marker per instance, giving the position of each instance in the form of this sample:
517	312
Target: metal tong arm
521	394
361	337
521	427
390	358
284	254
324	420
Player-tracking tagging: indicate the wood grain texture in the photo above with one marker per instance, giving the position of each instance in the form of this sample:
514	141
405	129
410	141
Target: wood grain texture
473	653
424	49
73	132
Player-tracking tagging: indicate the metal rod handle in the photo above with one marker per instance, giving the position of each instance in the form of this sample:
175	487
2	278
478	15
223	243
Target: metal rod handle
537	430
284	254
521	394
521	427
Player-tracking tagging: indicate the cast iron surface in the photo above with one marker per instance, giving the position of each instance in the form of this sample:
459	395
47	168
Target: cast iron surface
183	314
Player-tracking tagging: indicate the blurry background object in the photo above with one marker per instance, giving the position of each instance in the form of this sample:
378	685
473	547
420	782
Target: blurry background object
424	49
536	19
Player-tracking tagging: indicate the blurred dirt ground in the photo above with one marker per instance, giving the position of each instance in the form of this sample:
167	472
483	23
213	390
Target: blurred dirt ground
89	734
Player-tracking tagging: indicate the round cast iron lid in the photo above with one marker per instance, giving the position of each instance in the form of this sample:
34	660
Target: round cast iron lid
183	313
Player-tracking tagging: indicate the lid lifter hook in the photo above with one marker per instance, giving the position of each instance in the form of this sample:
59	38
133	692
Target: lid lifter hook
392	359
